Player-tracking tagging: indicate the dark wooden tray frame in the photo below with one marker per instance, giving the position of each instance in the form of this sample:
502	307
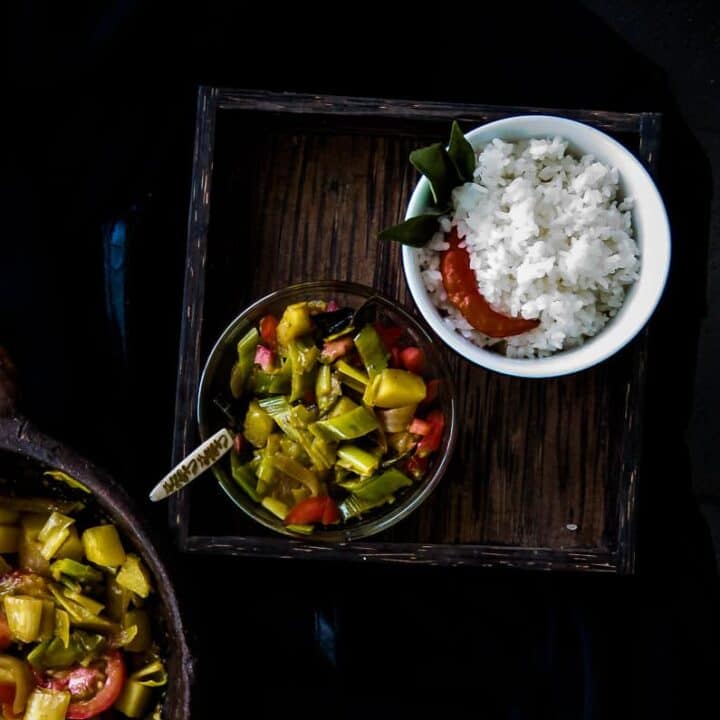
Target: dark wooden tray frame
646	126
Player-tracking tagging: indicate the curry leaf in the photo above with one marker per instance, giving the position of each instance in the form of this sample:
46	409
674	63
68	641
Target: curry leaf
435	164
416	231
461	153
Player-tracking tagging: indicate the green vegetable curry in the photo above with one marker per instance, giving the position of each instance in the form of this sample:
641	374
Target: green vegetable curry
75	620
333	412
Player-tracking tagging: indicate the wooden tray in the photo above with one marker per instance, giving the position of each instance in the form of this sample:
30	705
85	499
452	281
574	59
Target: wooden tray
291	187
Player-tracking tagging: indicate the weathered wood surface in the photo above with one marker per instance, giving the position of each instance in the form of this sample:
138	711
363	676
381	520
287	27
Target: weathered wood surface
289	189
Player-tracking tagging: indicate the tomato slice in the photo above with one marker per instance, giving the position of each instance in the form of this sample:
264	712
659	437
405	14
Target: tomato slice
268	330
431	441
413	359
461	287
307	511
314	510
389	334
108	693
331	513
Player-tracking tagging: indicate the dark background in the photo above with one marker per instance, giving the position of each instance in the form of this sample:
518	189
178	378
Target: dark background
101	107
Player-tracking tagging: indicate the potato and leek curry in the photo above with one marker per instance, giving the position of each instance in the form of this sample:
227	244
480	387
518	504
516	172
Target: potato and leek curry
76	637
333	414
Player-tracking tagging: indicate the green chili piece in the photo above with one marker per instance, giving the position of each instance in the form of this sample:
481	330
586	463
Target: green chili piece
102	546
357	460
257	425
327	388
350	376
380	487
134	576
88	603
54	533
295	321
394	388
372	352
246	355
243	476
355	424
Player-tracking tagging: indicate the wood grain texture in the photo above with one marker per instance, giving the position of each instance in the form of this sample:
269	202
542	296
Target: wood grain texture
299	192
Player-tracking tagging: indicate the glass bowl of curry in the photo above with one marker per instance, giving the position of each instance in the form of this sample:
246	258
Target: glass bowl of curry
341	406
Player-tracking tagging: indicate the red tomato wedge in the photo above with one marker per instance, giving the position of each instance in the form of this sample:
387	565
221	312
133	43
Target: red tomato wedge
306	512
268	331
314	510
461	287
108	693
413	359
7	693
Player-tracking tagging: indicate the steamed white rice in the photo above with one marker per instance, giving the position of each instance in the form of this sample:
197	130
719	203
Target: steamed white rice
548	238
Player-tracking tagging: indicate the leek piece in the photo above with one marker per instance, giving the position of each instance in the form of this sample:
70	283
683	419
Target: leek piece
296	471
53	543
303	354
243	476
17	672
350	376
271	383
75	570
372	352
257	425
152	675
29	555
9	539
24	616
355	424
32	524
8	517
355	507
288	419
397	419
380	486
56	522
89	604
276	507
47	621
134	699
67	479
55	654
72	547
134	576
125	636
302	529
394	388
47	705
102	546
295	321
242	368
62	626
117	600
342	406
143	638
80	615
358	460
327	388
326	450
299	494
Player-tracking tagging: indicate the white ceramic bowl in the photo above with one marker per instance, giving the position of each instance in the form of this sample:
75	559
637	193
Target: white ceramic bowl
652	233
